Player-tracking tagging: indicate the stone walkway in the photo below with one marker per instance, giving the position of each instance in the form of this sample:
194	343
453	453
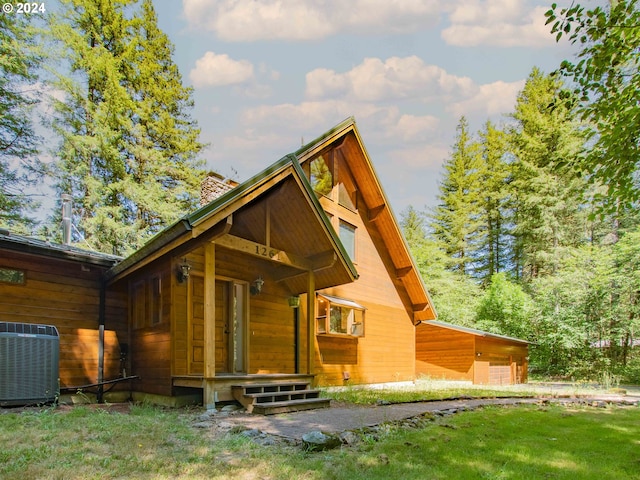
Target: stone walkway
293	426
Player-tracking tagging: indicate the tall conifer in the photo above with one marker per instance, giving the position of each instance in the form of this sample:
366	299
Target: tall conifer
18	141
548	208
129	150
456	219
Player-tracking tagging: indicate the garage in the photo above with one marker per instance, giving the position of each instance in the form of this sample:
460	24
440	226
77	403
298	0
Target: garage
452	352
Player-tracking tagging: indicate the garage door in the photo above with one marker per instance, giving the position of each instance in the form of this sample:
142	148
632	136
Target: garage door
499	372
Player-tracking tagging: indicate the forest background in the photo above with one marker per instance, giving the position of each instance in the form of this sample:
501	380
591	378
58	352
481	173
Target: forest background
536	233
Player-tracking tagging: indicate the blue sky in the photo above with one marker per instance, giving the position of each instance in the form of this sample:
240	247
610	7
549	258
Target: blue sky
269	73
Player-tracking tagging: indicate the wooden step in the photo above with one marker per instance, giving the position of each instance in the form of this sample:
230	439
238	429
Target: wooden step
291	406
278	397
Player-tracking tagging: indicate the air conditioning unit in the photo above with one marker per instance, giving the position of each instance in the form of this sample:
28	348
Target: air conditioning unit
29	355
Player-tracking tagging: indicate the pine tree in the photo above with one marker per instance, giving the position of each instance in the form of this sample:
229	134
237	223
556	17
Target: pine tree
454	294
456	219
128	150
18	141
496	241
164	141
548	212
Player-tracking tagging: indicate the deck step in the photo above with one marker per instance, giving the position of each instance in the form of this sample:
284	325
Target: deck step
291	406
278	397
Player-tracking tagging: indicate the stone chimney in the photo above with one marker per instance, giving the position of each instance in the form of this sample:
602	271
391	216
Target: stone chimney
213	186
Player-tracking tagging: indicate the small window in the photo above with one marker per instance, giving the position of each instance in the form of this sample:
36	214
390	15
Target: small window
347	192
9	275
339	316
321	176
348	238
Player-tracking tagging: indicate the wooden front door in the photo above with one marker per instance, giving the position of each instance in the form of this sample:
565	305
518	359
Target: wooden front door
195	302
222	326
231	321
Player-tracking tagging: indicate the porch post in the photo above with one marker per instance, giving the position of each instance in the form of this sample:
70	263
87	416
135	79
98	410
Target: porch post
209	399
311	322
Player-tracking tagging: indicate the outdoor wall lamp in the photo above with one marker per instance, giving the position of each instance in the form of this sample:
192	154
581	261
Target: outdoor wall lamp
294	301
256	286
183	271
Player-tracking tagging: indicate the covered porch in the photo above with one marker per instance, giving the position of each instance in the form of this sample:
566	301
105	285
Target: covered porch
243	304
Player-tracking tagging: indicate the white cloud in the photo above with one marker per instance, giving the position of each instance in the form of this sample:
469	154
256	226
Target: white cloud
215	70
490	99
251	20
396	78
497	23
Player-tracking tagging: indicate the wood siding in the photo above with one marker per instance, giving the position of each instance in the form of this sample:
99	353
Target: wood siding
386	353
150	350
270	332
500	361
444	354
66	294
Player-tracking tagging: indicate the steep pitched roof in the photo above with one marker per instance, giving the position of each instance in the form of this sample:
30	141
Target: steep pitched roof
285	175
345	139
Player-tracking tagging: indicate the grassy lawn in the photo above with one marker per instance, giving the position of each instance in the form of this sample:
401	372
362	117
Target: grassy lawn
498	443
369	396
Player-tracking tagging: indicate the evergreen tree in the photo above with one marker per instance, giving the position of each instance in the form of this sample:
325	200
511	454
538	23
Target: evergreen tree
456	219
454	294
163	144
547	202
128	150
496	241
18	141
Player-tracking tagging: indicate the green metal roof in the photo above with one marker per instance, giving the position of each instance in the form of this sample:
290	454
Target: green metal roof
189	221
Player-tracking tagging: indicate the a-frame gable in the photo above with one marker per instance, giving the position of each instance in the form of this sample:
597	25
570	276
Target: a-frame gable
274	215
344	141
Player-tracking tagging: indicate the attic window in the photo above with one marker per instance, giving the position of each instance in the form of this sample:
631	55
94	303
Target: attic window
339	316
321	176
10	275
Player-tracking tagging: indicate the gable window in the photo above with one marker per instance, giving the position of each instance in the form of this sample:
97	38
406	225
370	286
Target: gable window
339	316
347	191
9	275
321	176
347	233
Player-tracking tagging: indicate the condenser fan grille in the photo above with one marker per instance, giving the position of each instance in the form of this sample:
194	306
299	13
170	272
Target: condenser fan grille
29	355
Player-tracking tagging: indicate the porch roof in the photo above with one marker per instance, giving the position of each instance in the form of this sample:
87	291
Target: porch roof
279	201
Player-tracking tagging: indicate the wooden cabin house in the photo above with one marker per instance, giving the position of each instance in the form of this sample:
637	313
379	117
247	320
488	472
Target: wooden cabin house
299	274
452	352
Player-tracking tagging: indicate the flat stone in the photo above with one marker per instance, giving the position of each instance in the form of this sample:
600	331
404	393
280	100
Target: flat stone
316	441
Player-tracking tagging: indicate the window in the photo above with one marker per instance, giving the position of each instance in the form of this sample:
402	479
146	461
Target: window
9	275
146	302
321	176
339	316
347	234
347	194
